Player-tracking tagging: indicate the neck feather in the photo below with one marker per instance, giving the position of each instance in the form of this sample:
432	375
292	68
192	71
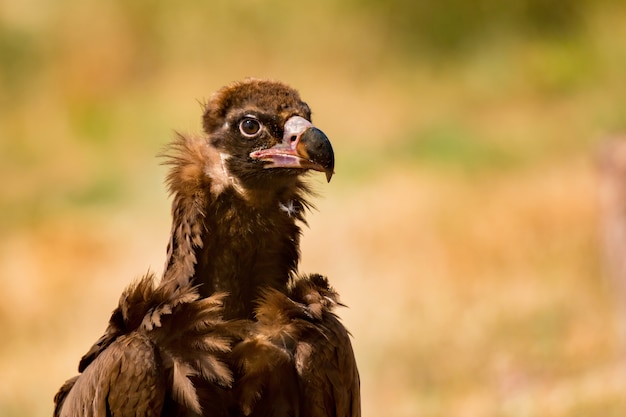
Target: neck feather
225	240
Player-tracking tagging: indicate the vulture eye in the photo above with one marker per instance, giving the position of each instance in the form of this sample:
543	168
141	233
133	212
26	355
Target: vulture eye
249	127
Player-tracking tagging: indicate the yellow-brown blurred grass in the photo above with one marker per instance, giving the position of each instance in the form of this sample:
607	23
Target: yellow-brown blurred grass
460	229
463	299
476	299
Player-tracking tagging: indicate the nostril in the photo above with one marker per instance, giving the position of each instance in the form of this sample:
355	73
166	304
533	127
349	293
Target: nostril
293	138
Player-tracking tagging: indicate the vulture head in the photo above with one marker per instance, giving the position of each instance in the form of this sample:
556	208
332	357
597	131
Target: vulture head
264	131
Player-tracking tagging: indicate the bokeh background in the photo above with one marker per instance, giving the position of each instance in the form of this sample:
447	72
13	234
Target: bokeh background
461	228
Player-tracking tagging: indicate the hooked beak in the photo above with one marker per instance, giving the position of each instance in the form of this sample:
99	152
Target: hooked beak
304	146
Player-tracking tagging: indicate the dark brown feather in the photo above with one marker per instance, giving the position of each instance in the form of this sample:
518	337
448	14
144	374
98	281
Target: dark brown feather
298	359
158	338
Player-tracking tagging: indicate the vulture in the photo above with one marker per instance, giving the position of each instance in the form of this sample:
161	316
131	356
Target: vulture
232	328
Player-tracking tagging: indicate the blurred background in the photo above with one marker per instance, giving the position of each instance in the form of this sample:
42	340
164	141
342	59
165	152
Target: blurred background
462	227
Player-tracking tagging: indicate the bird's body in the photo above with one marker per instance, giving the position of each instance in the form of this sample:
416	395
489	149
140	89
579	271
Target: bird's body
238	202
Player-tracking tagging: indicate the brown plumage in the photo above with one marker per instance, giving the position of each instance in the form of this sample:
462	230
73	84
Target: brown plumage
297	329
142	365
238	202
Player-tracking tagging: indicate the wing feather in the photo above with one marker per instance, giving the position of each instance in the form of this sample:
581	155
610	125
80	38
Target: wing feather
161	343
299	340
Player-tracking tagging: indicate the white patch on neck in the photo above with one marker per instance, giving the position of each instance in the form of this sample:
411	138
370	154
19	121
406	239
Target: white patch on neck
223	158
217	170
288	208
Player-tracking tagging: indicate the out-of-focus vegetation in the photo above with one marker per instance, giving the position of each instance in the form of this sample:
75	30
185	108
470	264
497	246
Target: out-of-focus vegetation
461	227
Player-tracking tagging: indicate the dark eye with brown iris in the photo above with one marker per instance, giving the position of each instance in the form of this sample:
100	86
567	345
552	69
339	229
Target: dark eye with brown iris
249	127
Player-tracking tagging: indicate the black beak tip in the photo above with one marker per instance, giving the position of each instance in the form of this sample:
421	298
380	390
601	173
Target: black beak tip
320	150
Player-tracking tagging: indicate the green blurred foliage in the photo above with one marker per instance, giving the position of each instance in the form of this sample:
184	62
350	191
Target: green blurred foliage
449	27
453	146
86	84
